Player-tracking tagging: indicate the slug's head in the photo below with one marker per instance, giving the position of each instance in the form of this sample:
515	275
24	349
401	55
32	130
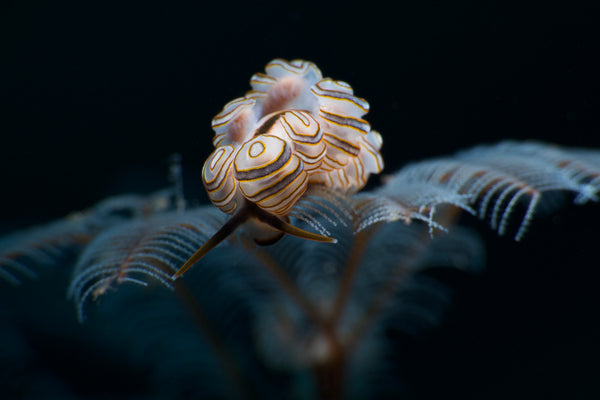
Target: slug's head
271	169
293	130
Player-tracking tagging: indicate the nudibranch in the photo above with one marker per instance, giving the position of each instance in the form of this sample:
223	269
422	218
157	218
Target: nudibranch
294	129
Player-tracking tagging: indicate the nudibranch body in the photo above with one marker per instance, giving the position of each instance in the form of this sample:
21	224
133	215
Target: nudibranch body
292	130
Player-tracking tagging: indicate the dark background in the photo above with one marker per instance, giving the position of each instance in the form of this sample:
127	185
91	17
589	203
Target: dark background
95	97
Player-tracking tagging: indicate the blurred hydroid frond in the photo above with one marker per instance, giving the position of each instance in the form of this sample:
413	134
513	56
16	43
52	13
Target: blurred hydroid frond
22	252
301	302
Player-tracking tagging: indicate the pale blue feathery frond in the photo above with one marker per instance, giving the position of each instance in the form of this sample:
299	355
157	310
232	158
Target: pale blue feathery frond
490	181
139	251
22	252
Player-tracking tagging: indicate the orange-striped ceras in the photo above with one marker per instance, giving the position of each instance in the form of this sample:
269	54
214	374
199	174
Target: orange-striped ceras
292	130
